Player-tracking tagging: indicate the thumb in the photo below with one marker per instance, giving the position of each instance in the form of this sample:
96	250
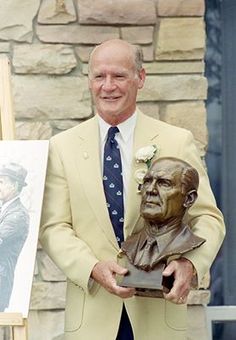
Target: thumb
168	270
118	269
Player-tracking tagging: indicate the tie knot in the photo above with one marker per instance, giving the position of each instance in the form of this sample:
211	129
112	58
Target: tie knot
112	132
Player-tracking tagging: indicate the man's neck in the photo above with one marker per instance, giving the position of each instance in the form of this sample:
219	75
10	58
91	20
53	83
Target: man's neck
154	228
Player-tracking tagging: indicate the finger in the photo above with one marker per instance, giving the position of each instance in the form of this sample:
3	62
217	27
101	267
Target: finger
124	292
178	294
169	270
116	268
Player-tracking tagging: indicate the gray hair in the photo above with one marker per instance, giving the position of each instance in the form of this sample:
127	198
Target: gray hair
138	57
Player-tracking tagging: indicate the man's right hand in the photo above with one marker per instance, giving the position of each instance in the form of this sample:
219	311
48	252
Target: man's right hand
105	272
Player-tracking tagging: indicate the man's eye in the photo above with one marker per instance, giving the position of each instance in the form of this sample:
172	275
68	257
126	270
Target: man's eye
146	181
120	76
164	183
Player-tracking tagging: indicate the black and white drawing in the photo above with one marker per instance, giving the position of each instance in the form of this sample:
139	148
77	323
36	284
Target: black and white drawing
22	176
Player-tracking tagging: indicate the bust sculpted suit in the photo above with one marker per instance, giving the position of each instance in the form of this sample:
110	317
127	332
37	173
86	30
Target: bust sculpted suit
76	230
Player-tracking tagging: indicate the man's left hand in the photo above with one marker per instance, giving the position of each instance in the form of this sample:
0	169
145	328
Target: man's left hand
182	270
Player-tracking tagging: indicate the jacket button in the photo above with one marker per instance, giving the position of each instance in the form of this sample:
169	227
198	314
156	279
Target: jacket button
120	254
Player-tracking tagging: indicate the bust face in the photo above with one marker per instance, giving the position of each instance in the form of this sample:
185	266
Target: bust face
162	198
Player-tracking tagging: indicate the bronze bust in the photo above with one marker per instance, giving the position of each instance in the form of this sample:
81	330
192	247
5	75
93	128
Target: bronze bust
169	189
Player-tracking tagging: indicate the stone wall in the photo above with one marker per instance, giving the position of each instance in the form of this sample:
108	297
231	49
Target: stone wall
48	43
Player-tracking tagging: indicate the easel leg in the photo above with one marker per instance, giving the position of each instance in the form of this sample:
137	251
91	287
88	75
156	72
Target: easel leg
20	332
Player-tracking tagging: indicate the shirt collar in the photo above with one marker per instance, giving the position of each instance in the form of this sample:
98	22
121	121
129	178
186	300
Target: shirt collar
126	128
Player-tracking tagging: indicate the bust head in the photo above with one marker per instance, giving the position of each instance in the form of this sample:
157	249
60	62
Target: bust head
169	188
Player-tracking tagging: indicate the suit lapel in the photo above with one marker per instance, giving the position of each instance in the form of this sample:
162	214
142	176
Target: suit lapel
144	135
89	166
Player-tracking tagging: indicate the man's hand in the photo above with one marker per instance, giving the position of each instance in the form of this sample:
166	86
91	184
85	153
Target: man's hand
105	272
182	270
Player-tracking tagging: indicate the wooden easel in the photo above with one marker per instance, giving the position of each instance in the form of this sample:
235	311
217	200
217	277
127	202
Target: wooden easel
16	321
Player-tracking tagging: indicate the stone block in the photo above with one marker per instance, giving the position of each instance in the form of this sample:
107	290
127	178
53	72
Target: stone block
180	67
188	115
42	97
83	52
4	47
172	88
26	130
180	39
85	69
16	19
43	59
48	271
46	325
57	12
117	12
48	295
148	52
61	125
137	34
176	8
150	109
75	34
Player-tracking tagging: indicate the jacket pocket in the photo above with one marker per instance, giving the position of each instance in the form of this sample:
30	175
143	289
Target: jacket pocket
75	299
176	316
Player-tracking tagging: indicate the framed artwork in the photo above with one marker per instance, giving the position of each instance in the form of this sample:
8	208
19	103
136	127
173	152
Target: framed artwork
22	177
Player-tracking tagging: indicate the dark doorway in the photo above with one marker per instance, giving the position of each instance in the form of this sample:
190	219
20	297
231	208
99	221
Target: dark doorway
228	197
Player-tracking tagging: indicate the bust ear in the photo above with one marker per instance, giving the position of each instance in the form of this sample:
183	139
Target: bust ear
190	198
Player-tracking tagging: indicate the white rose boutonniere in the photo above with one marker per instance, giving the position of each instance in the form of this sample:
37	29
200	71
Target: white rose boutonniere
146	154
144	157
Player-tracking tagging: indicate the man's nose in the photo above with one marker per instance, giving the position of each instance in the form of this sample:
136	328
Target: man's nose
152	188
108	83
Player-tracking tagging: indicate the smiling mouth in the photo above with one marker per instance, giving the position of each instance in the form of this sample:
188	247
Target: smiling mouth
111	99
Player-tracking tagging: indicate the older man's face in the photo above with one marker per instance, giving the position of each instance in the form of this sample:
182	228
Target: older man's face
114	81
7	189
161	194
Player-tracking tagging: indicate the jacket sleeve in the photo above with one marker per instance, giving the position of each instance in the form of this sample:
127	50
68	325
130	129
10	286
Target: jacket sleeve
203	217
58	238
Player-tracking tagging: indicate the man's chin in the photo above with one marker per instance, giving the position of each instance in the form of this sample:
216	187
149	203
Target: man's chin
150	215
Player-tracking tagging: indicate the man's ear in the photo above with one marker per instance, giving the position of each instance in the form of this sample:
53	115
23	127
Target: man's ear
142	77
190	198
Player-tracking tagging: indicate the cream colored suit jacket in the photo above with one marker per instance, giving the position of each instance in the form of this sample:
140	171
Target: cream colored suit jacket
77	233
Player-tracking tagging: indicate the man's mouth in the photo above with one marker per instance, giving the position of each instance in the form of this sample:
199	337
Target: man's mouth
111	98
151	203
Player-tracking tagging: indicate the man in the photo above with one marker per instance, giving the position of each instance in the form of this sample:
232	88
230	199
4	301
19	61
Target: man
169	189
78	231
14	226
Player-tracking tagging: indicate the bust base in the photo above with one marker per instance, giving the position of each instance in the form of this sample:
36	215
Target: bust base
147	283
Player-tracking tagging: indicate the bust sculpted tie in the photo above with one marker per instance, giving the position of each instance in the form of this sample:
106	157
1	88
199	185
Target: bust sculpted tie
113	183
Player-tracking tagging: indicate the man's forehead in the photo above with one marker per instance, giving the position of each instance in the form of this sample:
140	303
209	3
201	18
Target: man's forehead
165	169
112	52
113	44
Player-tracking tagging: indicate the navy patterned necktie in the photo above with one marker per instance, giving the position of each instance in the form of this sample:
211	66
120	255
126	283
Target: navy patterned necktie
113	183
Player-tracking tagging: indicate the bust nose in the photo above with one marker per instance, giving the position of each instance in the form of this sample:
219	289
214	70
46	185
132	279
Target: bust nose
152	188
